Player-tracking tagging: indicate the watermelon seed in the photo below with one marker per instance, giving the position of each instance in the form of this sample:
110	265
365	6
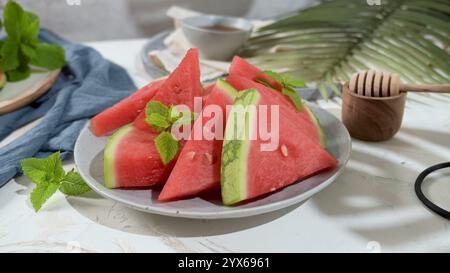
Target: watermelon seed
284	150
190	155
272	189
209	158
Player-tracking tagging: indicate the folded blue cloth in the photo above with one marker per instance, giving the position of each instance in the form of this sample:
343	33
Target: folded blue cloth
87	85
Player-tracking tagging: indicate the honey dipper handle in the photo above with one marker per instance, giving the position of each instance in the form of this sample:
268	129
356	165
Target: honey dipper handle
434	88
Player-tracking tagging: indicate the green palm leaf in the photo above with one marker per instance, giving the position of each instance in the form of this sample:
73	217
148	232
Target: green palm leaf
327	43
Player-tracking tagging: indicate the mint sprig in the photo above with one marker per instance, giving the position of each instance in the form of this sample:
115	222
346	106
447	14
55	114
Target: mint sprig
161	118
22	47
49	176
288	86
167	147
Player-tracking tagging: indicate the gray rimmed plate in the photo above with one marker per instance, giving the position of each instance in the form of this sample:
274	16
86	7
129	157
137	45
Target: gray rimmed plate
89	160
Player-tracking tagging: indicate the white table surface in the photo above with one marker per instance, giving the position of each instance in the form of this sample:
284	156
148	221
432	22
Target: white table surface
370	208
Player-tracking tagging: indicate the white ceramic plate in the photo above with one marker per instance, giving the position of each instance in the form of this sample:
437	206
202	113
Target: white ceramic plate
89	160
18	94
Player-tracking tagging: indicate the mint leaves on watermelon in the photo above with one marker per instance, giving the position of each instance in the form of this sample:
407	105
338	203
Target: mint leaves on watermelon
283	84
161	118
49	176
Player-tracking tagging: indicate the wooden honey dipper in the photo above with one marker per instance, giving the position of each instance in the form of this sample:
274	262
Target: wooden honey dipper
373	104
381	84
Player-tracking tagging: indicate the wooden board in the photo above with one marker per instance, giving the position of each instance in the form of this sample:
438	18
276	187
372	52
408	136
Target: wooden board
18	94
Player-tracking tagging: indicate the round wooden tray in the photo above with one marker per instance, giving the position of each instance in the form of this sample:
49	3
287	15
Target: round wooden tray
18	94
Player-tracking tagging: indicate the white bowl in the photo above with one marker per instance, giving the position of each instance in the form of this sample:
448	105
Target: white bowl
215	44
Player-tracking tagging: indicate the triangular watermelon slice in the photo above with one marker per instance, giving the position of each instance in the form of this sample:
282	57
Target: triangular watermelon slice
198	166
125	111
180	87
240	68
247	172
131	158
301	119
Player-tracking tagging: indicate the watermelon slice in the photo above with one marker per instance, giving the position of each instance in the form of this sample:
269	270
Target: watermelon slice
198	167
131	157
247	172
241	68
301	119
124	111
132	160
180	87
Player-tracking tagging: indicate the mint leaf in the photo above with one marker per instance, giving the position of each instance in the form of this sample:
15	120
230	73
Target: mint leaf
30	30
22	47
49	56
157	121
18	74
157	115
264	82
9	55
35	169
294	97
42	193
288	87
54	166
174	114
156	107
167	147
274	75
185	118
13	17
28	51
48	175
73	184
43	170
297	83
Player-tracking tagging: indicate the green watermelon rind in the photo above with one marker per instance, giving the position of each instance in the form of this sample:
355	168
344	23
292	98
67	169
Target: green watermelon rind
225	87
319	128
235	153
109	155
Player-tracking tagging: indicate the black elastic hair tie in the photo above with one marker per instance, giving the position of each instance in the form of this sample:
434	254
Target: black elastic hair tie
418	187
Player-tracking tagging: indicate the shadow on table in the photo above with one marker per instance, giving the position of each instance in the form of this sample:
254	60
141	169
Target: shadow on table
385	210
436	137
125	219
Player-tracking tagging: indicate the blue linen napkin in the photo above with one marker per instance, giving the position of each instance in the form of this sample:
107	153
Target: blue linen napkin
87	85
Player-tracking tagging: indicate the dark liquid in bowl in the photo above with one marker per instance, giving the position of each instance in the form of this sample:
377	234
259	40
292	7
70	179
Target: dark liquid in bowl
222	28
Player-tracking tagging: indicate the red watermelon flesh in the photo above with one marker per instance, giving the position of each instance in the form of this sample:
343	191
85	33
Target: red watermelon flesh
208	89
241	67
124	111
198	166
247	172
300	118
132	160
180	87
